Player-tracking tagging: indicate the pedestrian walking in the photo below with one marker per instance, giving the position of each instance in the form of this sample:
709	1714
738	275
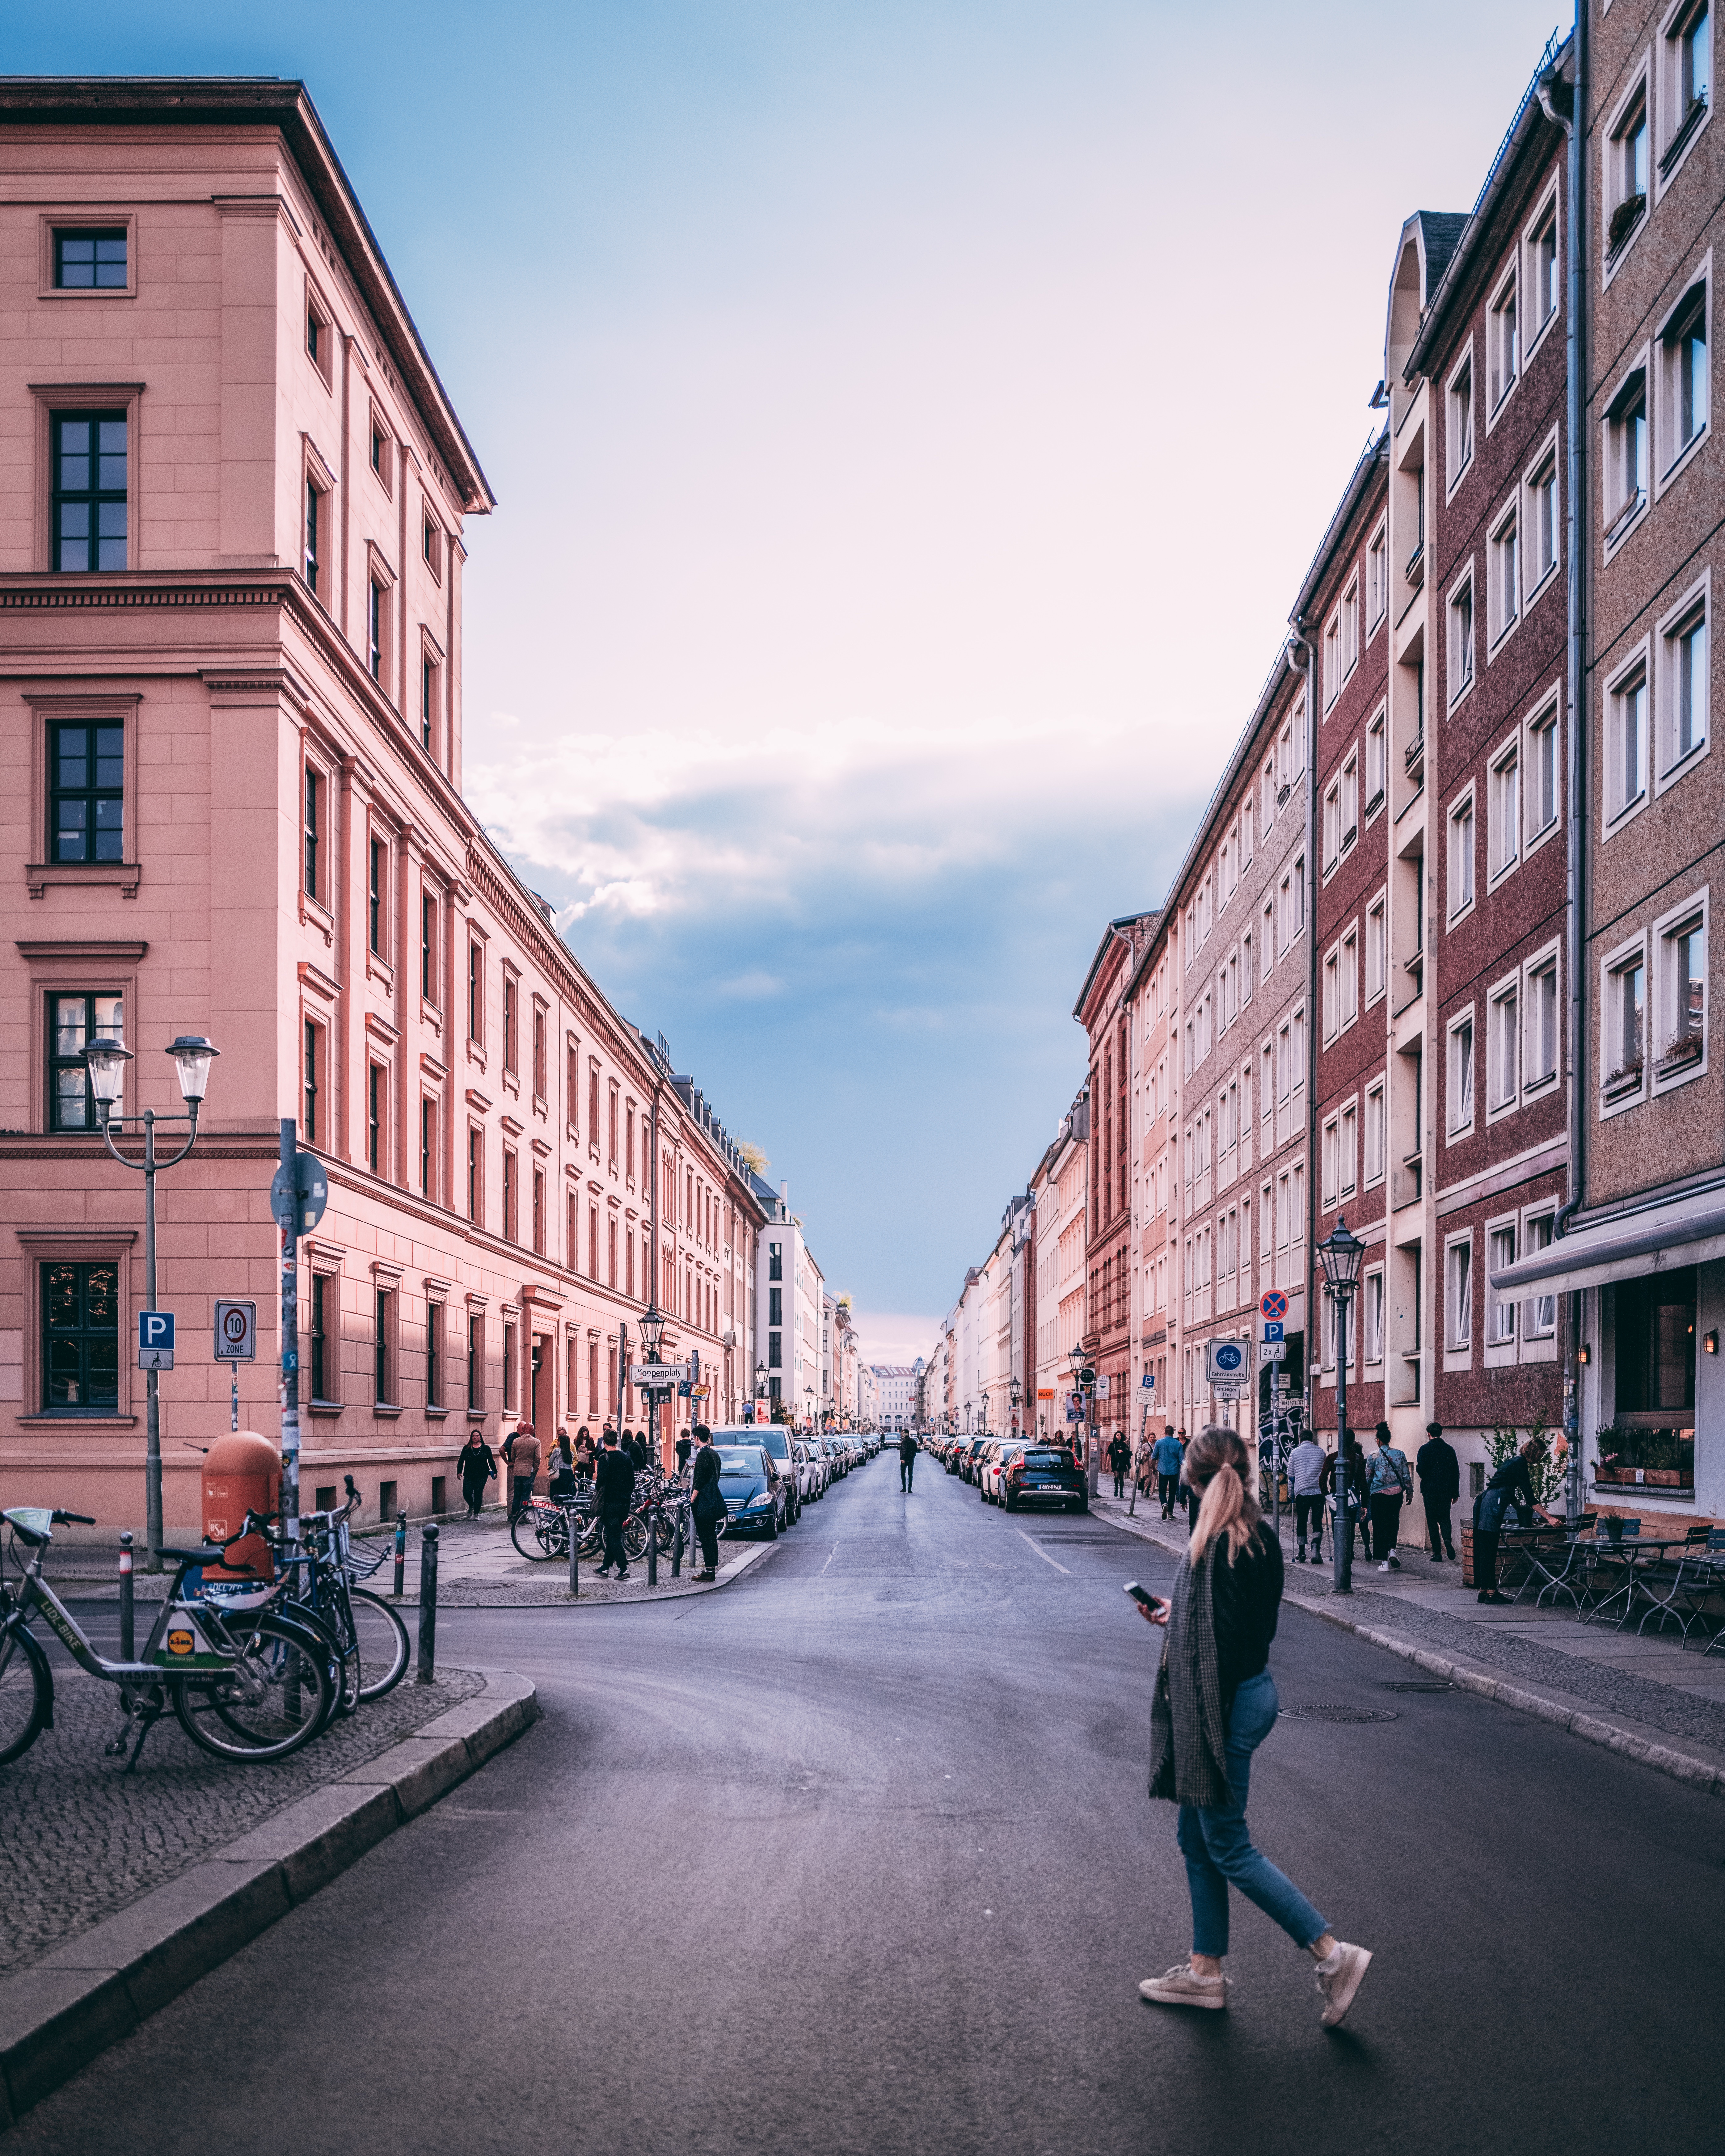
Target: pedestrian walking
1168	1453
583	1450
709	1503
1343	1483
1507	1485
475	1465
1143	1466
906	1460
1306	1472
614	1490
561	1468
685	1447
1389	1481
1215	1703
1440	1473
521	1451
1120	1458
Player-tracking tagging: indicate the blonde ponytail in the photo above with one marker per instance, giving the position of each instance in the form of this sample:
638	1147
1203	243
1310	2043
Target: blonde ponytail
1215	1467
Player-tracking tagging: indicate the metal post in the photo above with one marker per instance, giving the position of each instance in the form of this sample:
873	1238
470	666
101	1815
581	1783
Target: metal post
1342	1528
677	1547
401	1552
653	1546
427	1673
1275	1449
233	1396
127	1654
289	1343
574	1519
152	1407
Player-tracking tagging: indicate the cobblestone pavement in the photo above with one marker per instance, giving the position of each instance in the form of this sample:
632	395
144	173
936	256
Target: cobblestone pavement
80	1839
479	1567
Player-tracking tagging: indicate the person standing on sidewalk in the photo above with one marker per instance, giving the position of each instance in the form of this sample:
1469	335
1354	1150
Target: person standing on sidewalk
614	1489
906	1460
477	1466
1120	1458
1143	1467
1508	1484
1389	1481
1215	1703
1344	1482
522	1454
709	1503
1168	1453
1440	1473
1306	1472
561	1468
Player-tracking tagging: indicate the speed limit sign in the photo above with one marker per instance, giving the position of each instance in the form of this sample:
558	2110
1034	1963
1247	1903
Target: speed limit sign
236	1332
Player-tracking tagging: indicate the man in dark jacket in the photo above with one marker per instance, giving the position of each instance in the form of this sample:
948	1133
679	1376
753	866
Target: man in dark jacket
614	1487
906	1459
1440	1473
709	1504
1120	1458
1343	1480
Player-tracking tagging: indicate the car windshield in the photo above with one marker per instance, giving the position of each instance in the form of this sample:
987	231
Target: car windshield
739	1460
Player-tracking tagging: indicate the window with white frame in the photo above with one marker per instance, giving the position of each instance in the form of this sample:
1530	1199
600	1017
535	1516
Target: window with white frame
1503	839
1539	1023
1461	421
1376	577
1333	658
1687	84
1461	637
1459	1088
1350	800
1350	628
1458	1295
1375	1134
1539	1315
1333	994
1626	172
1680	954
1332	824
1501	1315
1683	366
1377	760
1544	271
1299	1042
1683	686
1245	969
1377	948
1327	1159
1504	596
1542	543
1245	835
1347	1010
1348	1166
1541	789
1284	1062
1627	453
1460	891
1623	1024
1626	739
1372	1317
1503	341
1503	1025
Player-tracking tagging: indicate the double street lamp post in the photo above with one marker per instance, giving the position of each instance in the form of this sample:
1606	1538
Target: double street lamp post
1340	1254
106	1059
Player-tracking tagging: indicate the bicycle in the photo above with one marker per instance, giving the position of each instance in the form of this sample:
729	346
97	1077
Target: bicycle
256	1689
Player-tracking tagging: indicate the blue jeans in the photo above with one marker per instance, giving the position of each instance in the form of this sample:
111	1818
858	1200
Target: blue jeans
1217	1848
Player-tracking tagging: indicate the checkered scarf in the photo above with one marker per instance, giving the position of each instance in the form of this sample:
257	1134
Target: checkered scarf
1188	1732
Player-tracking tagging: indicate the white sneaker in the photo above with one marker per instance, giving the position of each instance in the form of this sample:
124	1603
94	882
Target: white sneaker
1384	1566
1182	1987
1339	1978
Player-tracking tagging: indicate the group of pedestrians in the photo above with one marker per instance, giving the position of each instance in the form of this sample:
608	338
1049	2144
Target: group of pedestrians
1369	1494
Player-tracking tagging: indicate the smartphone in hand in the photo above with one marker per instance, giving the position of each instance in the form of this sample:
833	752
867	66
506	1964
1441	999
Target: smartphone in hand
1144	1597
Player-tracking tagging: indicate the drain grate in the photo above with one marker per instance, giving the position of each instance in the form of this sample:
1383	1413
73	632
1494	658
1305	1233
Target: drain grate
1327	1711
1434	1684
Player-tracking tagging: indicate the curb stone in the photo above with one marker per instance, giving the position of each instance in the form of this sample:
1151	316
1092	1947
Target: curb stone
1663	1758
57	2015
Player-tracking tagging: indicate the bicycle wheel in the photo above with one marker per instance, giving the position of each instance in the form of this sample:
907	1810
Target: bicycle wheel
664	1533
275	1698
592	1536
383	1643
634	1538
26	1689
536	1530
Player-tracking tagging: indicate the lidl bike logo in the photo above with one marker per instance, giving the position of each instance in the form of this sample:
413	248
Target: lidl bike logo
181	1643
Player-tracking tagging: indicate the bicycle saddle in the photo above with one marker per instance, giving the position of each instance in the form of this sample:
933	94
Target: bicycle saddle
204	1555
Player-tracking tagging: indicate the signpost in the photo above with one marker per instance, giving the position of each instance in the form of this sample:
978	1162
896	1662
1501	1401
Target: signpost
236	1342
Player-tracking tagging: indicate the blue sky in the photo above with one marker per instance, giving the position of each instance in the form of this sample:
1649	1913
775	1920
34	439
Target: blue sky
910	425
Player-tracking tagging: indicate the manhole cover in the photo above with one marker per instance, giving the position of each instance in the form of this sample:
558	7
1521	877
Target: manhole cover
1326	1712
1436	1684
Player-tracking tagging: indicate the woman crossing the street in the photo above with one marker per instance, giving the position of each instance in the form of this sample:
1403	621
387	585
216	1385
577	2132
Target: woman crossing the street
1215	1703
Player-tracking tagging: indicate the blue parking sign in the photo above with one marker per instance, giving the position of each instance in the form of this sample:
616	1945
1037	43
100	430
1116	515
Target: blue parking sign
156	1340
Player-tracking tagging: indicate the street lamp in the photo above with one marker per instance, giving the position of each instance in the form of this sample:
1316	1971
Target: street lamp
106	1059
809	1412
1340	1254
1018	1401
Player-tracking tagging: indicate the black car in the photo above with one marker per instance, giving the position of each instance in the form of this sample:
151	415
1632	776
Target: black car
1044	1475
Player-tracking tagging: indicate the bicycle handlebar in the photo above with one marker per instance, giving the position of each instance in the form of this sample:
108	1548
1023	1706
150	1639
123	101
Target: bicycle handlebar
75	1519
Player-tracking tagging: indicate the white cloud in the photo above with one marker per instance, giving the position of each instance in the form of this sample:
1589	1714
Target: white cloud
756	987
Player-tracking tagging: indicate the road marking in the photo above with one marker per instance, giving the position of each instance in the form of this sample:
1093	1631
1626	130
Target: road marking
831	1554
1044	1554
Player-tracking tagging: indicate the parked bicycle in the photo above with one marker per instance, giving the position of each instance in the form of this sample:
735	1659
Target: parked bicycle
541	1530
247	1685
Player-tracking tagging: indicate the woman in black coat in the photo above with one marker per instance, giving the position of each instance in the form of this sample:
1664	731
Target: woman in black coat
476	1467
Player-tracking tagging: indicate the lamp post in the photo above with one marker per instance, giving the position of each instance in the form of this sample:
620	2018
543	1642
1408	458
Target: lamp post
106	1059
1340	1254
653	1325
1018	1401
809	1412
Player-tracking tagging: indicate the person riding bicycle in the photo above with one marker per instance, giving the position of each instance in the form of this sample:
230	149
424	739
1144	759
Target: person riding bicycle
614	1487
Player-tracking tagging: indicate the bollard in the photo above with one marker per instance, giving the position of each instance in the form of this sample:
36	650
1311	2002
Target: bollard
427	1673
677	1549
401	1553
653	1546
574	1519
127	1654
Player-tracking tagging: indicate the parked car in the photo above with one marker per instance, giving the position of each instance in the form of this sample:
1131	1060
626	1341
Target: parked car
970	1457
776	1437
811	1472
1003	1450
1044	1475
985	1458
757	1496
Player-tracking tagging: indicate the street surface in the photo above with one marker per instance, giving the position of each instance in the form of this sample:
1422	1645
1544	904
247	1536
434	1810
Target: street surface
856	1857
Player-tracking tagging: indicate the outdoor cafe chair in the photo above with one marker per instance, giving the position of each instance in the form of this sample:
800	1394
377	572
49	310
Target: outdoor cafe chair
1556	1568
1704	1571
1600	1587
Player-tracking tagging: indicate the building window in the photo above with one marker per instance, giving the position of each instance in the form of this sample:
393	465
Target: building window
1684	351
1626	740
1377	949
309	1045
1460	1079
1539	1047
1462	639
1377	577
1500	1254
1622	1027
1504	350
319	1343
1506	588
775	1261
380	1370
1541	789
1543	541
476	1161
375	896
313	790
1656	1343
428	674
1625	455
1460	412
1539	1320
317	337
1681	956
1377	761
427	949
475	993
433	1354
1462	856
428	1148
86	803
592	1242
508	1367
1458	1298
541	1083
1689	48
89	490
1544	270
1504	811
509	1168
509	1039
313	538
374	1116
89	261
73	1022
80	1339
1374	1135
1372	1318
1348	1166
539	1211
1684	642
1626	179
374	630
474	1363
1503	1020
775	1350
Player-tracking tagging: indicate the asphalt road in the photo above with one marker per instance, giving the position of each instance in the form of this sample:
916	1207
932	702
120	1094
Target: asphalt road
856	1857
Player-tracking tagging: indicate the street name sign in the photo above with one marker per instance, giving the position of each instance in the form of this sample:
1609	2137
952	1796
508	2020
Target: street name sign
236	1332
661	1375
156	1340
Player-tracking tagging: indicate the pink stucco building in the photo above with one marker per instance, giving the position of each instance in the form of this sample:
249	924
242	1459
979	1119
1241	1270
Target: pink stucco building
230	671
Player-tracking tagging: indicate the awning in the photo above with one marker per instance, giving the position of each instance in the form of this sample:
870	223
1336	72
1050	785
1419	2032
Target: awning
1688	1231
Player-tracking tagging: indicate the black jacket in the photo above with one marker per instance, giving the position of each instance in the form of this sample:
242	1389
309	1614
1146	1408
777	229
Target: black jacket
1355	1477
1440	1471
1120	1456
476	1463
613	1480
1247	1592
907	1446
638	1449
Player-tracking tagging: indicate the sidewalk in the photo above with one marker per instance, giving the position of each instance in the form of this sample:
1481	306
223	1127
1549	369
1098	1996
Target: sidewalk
1646	1697
480	1567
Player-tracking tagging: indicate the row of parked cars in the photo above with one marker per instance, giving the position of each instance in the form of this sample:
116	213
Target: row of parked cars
1013	1471
767	1473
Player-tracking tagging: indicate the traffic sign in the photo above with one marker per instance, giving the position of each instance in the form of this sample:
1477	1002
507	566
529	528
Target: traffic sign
1273	1305
298	1212
236	1332
156	1340
1273	1329
1272	1351
1226	1392
658	1376
1148	1382
1224	1361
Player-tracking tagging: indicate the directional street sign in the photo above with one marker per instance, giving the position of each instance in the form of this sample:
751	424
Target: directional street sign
156	1340
236	1332
1273	1307
300	1211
